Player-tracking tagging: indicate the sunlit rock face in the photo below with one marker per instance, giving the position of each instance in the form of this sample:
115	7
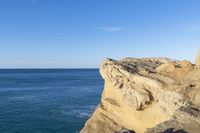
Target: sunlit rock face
147	95
197	61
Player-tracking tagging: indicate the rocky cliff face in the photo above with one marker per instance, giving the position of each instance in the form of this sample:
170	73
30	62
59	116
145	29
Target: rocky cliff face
147	95
197	61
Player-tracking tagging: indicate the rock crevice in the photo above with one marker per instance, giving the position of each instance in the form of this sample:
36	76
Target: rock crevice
147	95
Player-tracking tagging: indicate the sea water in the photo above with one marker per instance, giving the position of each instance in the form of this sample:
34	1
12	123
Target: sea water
47	100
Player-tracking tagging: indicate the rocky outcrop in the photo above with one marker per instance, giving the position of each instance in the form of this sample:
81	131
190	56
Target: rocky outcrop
147	95
197	61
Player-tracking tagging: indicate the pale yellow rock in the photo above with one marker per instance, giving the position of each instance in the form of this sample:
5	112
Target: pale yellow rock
167	68
197	61
147	93
123	114
186	63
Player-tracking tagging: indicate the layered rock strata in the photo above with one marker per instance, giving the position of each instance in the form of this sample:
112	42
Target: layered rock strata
147	95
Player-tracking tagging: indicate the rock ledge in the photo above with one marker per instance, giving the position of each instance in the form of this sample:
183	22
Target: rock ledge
147	95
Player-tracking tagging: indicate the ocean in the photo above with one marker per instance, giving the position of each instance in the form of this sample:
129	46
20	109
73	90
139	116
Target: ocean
47	100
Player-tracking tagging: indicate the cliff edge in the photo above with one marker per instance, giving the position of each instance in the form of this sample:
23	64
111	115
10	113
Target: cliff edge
148	95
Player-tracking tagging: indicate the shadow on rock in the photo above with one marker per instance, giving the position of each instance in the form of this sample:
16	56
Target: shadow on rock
126	131
171	130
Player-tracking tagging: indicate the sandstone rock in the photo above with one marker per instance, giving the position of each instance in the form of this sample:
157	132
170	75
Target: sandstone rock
186	63
184	120
197	61
167	68
147	95
125	131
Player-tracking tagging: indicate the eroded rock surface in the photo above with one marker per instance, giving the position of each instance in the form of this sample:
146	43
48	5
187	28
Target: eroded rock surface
197	61
147	95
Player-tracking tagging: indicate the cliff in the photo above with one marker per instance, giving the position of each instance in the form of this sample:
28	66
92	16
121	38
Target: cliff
147	95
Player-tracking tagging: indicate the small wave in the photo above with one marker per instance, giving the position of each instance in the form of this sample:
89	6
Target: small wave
80	113
84	115
22	98
92	107
88	112
77	113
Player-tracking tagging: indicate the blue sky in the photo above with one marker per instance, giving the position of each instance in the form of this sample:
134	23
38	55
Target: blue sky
81	33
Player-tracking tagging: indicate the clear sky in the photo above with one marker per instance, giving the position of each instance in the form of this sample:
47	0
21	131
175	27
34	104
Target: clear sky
81	33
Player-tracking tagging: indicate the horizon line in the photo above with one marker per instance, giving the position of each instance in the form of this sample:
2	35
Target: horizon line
48	68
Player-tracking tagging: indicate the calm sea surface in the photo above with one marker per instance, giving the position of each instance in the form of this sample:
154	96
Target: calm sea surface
47	100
